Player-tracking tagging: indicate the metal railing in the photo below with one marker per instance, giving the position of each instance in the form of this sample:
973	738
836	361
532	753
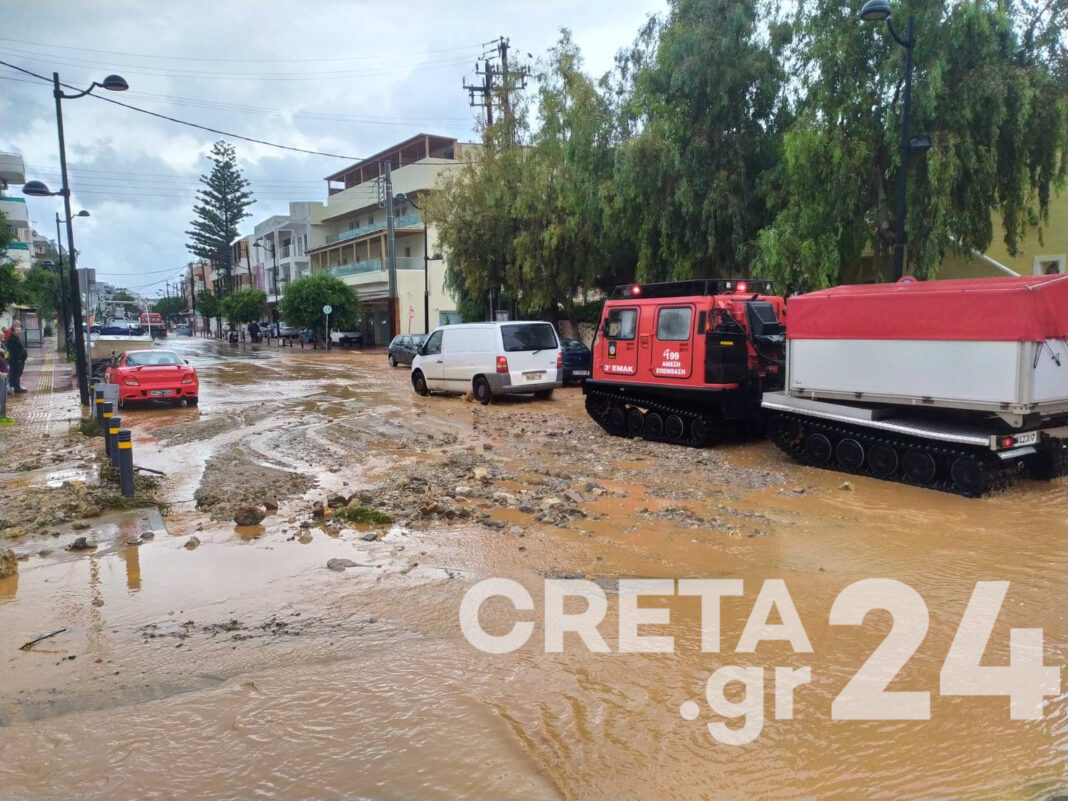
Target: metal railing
404	221
368	266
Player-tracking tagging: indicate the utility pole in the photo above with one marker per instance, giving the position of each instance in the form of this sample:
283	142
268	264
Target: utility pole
192	302
391	254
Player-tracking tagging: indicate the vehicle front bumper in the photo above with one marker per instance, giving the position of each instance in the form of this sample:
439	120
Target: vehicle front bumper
501	384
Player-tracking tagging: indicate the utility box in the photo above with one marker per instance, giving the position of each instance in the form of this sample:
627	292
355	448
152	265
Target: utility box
998	345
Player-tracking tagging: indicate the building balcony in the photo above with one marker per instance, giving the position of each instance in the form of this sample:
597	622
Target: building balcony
404	221
376	266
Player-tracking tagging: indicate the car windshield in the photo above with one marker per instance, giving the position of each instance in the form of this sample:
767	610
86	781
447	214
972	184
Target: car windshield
528	336
571	344
418	340
151	358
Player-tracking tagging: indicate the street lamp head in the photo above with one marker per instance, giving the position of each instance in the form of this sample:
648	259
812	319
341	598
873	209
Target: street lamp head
47	263
82	213
36	189
875	11
920	143
115	83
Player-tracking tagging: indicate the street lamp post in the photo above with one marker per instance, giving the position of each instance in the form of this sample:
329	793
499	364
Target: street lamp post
65	296
113	83
427	258
879	11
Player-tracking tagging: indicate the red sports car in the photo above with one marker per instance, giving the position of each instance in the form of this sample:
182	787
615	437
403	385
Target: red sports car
144	375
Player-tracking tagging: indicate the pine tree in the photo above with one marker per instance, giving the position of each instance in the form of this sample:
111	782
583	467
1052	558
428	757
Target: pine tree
223	204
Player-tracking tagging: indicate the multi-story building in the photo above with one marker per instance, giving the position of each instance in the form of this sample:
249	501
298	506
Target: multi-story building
242	271
12	177
280	250
348	236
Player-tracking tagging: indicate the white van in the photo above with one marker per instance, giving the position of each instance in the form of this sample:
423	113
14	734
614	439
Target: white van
490	359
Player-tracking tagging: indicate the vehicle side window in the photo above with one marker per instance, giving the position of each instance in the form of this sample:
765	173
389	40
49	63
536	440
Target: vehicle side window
622	323
433	345
674	324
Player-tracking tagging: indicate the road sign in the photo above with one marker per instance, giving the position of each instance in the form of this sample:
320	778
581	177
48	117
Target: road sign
411	313
327	309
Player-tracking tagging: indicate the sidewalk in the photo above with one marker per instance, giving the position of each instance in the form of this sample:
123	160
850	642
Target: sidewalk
51	404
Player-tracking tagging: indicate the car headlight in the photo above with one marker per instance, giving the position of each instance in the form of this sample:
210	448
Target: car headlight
131	382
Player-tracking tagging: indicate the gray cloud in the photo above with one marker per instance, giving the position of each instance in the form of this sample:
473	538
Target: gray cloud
341	77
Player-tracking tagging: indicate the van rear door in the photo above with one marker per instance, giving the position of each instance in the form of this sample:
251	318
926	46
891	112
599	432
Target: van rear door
531	350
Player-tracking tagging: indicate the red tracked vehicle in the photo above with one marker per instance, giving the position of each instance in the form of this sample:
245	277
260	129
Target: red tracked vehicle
686	361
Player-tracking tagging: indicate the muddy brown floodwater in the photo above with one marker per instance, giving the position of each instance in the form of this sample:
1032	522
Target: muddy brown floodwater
244	667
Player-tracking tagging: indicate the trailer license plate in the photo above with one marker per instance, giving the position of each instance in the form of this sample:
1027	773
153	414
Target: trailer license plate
534	376
161	393
1030	438
580	372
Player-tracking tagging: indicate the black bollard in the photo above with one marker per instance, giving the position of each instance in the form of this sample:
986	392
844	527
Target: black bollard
112	434
106	415
126	471
98	406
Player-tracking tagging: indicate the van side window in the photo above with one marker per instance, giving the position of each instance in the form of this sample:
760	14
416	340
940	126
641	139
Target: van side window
433	345
622	323
673	325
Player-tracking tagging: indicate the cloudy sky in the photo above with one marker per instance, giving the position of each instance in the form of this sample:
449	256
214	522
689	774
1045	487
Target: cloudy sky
337	76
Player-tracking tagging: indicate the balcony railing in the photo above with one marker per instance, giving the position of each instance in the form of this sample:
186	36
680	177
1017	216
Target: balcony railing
368	266
404	221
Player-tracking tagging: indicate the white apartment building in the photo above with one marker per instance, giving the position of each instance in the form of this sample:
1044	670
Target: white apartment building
348	237
279	251
12	177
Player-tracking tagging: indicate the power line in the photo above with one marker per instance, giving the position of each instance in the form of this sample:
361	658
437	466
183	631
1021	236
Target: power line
217	75
192	124
237	60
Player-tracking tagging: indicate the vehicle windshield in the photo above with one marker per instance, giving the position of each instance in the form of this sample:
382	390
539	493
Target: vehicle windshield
528	336
151	358
571	344
418	340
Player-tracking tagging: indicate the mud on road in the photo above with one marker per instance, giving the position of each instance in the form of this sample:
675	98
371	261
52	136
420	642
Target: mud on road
241	663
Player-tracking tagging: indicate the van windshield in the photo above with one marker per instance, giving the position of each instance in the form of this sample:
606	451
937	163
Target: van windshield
528	336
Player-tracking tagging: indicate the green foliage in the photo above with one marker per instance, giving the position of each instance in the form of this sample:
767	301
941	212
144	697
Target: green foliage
362	514
244	306
169	306
222	204
122	294
208	304
40	289
989	88
11	288
302	304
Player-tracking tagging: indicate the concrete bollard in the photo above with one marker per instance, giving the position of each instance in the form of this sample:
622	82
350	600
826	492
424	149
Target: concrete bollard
105	423
112	435
124	446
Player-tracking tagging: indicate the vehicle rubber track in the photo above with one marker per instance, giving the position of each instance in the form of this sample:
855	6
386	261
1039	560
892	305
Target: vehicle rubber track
856	450
653	420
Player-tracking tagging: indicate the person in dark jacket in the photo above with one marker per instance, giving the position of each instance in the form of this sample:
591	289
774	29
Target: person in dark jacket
4	369
17	358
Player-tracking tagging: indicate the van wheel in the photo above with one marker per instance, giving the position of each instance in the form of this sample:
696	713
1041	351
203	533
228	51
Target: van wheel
483	393
419	383
543	394
392	361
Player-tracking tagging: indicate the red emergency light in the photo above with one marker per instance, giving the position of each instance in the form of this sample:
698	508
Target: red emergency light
742	287
635	290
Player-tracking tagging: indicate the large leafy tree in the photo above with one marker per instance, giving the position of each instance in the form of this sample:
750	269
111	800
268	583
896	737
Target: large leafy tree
990	89
208	305
222	204
302	304
244	306
41	290
170	306
701	115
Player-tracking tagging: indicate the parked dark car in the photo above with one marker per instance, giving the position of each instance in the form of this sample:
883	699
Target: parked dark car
402	349
577	359
183	330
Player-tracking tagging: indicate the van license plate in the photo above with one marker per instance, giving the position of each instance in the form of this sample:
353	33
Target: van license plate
1029	438
580	372
534	376
161	393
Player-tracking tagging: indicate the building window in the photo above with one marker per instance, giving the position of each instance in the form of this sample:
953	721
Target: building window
1051	265
408	252
370	219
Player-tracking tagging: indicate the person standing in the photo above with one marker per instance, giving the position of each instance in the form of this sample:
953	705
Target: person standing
17	359
4	370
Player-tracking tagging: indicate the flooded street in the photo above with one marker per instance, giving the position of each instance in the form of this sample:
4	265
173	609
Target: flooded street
240	665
